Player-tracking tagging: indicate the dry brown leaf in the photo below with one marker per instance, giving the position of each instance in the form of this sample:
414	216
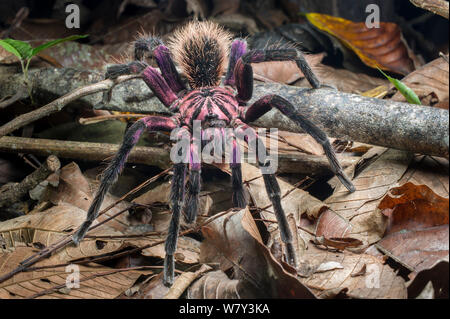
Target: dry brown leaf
184	281
288	142
430	79
74	189
430	171
214	285
345	80
381	47
44	228
379	281
152	288
96	282
385	169
294	201
234	241
418	232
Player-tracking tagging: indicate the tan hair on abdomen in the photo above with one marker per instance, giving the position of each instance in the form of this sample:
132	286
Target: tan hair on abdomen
200	49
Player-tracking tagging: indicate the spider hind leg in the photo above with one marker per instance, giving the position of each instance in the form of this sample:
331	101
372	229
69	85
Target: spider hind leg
266	103
176	203
250	136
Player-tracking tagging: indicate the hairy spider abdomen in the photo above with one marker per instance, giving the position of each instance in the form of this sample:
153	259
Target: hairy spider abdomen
213	106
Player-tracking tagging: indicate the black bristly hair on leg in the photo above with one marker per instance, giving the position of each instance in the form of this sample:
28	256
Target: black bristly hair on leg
266	103
192	201
114	71
272	188
176	203
110	176
238	196
145	45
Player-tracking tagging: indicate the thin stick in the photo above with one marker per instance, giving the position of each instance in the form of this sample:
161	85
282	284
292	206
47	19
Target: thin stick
97	119
58	104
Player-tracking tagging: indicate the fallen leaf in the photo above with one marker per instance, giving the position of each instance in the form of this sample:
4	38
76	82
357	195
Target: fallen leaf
418	232
234	241
96	282
377	172
214	285
381	47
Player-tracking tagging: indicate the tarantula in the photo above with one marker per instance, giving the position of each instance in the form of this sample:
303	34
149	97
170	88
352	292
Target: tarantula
200	49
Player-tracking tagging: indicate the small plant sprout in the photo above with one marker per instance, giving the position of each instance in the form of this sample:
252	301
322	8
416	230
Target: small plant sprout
25	52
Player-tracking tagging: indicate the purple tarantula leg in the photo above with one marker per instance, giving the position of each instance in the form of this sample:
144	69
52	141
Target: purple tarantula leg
154	80
159	86
155	46
194	185
238	196
248	134
131	137
238	49
244	72
168	69
176	205
266	103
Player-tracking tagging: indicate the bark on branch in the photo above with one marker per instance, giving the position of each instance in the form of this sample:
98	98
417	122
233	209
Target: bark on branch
12	193
440	7
295	162
419	129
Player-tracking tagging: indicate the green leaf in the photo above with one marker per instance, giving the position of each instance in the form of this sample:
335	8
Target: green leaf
409	94
44	46
20	49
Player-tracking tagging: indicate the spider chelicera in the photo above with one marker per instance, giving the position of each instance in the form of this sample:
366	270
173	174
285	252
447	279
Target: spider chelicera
200	49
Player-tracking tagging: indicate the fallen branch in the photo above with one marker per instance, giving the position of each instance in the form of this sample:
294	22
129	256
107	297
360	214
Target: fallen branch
294	162
436	6
14	192
404	126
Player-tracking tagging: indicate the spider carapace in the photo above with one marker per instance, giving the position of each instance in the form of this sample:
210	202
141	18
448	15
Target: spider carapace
201	49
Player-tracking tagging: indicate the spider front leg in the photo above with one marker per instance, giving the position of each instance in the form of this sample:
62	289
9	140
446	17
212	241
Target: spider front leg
249	135
160	52
244	72
131	137
238	49
266	103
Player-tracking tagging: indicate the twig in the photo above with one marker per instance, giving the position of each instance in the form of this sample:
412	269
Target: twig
107	273
97	119
21	15
15	192
294	162
183	282
440	7
84	150
20	94
345	116
60	103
